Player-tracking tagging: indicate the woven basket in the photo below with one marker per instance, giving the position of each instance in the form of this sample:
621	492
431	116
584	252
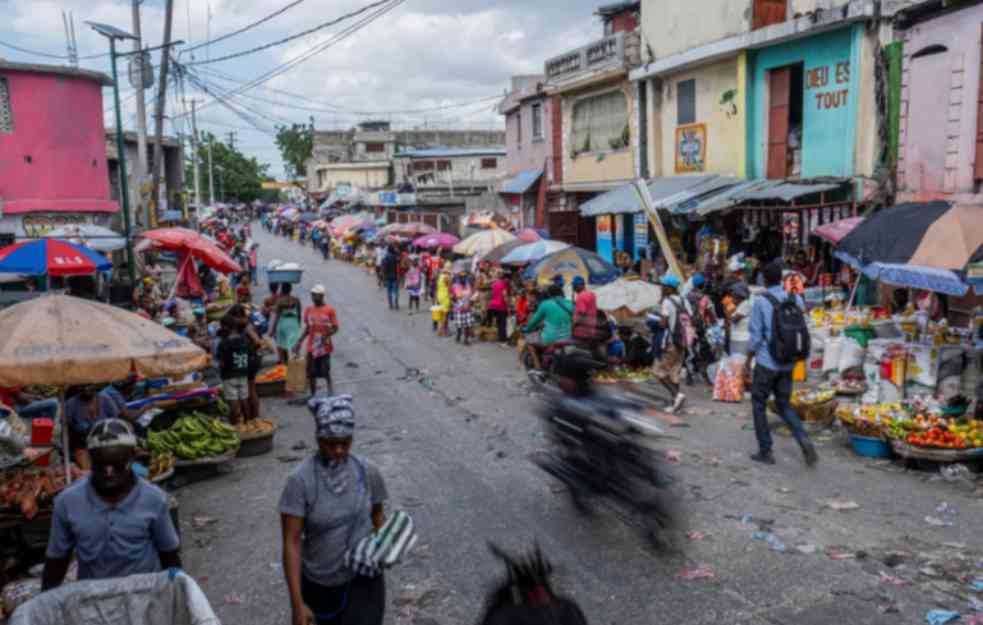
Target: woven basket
906	450
823	414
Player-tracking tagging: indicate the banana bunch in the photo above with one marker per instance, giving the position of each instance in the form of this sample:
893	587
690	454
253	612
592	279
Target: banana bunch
194	436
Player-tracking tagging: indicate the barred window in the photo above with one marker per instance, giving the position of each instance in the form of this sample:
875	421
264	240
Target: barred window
599	122
537	121
6	113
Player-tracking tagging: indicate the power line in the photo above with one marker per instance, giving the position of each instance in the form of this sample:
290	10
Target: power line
245	28
333	22
62	57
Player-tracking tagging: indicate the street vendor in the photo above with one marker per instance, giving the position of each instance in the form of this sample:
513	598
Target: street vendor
82	411
28	405
115	523
198	330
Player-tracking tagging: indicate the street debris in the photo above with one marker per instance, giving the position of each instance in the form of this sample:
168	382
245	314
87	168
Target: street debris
233	599
351	365
893	580
840	505
673	455
806	548
695	535
699	571
940	617
771	539
199	522
937	522
840	553
299	445
288	458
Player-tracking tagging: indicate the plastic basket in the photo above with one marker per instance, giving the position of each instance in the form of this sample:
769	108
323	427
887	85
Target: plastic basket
871	447
292	276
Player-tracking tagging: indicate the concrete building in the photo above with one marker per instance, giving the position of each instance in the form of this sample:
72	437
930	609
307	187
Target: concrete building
529	150
439	170
594	123
52	151
172	172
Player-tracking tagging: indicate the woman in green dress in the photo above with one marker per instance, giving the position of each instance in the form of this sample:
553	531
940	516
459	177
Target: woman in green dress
286	327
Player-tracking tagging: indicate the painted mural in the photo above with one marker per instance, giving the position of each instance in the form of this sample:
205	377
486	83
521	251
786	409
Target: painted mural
691	148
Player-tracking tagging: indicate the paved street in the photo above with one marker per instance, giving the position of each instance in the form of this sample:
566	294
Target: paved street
457	458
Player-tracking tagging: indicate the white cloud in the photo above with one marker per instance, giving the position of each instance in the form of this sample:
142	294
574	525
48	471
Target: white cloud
423	54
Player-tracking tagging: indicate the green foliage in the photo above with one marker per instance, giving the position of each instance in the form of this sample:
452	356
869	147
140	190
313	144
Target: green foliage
238	178
296	144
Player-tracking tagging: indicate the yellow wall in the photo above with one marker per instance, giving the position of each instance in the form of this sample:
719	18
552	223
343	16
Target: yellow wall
725	123
615	165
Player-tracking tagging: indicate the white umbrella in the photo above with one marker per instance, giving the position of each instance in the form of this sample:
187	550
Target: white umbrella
531	252
95	237
628	297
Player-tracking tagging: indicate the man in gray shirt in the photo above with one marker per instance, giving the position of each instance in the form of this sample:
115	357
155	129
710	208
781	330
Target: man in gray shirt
116	523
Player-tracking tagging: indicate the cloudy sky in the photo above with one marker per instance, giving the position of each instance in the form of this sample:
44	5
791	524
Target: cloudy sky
422	62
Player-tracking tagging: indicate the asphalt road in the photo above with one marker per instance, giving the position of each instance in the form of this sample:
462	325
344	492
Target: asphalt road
456	456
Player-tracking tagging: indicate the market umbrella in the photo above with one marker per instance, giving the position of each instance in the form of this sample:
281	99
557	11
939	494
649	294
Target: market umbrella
919	245
98	238
496	255
53	257
194	244
62	340
531	252
436	240
308	217
835	232
483	242
625	298
410	229
528	235
571	262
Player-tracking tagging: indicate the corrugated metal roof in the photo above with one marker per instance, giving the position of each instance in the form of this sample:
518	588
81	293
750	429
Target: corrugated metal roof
523	182
787	191
450	152
685	201
624	199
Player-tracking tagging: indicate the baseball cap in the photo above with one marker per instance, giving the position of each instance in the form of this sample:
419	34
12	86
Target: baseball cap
111	433
670	281
318	289
578	281
699	280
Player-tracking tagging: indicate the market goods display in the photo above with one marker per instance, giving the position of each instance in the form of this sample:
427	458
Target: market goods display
256	428
812	397
273	374
624	374
27	491
161	465
194	436
956	435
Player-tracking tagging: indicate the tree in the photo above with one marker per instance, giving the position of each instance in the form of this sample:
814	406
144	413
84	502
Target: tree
296	144
238	178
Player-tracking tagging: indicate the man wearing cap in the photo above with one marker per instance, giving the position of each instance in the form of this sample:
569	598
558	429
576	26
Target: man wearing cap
670	368
320	324
115	523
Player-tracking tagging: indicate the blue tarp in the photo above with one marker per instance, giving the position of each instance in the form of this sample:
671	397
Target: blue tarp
523	182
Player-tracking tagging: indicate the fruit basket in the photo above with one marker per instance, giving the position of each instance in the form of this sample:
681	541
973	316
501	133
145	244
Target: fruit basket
812	406
256	437
934	454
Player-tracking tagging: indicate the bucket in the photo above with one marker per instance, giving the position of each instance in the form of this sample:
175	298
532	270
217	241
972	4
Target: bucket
871	447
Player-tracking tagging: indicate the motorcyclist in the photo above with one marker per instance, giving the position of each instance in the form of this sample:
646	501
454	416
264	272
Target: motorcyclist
555	316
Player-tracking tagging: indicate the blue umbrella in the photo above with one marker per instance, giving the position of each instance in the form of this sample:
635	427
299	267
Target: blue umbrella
532	252
572	262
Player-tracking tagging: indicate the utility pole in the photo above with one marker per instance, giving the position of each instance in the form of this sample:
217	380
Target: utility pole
211	172
161	100
232	134
141	208
194	151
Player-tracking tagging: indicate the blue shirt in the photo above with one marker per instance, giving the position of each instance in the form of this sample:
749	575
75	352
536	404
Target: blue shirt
112	540
761	318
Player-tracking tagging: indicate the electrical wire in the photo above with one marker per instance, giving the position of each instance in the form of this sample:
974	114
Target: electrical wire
63	57
245	28
304	33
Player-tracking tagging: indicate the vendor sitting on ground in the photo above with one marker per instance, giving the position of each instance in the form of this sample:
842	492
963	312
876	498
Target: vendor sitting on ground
115	523
82	411
28	405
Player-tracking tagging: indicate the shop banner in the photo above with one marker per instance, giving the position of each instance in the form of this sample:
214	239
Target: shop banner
641	234
605	243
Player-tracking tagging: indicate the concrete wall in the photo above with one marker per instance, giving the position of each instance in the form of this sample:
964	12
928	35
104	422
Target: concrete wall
531	153
673	26
57	150
829	115
600	165
724	121
327	177
464	170
937	144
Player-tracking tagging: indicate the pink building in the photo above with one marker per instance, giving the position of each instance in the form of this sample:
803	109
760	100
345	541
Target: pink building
528	147
940	142
52	149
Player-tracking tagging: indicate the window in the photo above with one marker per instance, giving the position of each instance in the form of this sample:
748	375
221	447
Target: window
489	163
518	127
768	12
686	102
443	165
6	114
375	147
423	166
600	123
537	121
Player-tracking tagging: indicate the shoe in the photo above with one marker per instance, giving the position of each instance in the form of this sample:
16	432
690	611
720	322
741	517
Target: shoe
763	458
809	452
678	403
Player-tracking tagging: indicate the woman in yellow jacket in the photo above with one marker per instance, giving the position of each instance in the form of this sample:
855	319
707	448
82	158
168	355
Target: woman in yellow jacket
444	299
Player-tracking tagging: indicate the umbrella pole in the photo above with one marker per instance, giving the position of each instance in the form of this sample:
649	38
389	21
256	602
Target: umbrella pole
66	452
853	293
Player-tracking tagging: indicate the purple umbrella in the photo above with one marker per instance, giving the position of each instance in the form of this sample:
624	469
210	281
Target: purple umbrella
438	239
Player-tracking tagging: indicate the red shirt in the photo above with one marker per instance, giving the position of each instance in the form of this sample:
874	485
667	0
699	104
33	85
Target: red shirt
318	319
8	394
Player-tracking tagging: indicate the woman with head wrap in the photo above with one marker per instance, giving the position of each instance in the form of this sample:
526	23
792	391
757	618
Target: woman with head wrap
331	502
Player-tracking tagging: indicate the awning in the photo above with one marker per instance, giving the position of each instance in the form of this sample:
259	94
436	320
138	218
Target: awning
759	191
624	199
523	182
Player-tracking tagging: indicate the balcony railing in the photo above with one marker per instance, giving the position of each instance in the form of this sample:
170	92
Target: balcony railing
598	55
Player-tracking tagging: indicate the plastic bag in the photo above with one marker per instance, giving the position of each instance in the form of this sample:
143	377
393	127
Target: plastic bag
154	599
296	375
729	382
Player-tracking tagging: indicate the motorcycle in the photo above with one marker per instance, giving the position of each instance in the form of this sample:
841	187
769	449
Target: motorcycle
601	452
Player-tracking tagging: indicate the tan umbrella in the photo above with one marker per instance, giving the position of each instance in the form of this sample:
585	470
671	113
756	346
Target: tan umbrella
482	242
62	340
628	298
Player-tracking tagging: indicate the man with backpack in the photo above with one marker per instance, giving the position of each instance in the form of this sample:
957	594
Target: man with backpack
779	338
675	320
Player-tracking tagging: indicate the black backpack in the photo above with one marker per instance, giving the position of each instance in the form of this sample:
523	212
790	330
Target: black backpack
789	341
